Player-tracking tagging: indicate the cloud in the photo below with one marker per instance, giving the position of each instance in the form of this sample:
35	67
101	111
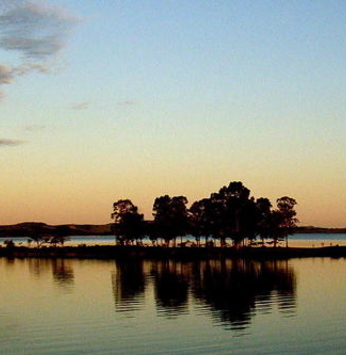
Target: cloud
9	142
6	75
35	31
80	105
127	103
34	127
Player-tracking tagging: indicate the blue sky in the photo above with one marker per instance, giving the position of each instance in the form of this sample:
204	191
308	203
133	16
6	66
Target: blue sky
136	99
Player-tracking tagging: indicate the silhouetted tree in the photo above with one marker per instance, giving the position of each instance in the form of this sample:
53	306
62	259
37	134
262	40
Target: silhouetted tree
233	213
58	239
40	239
129	225
287	213
9	243
200	220
170	217
229	213
162	225
263	212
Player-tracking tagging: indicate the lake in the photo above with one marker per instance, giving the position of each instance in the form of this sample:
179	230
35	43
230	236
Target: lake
57	306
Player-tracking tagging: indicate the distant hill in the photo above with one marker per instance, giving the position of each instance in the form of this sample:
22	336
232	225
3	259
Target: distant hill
311	229
29	228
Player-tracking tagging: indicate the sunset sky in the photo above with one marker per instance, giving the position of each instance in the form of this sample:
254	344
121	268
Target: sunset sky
109	99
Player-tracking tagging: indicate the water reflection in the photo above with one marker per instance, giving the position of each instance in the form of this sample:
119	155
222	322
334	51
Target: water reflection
128	283
63	274
171	287
230	291
39	267
233	290
207	307
60	269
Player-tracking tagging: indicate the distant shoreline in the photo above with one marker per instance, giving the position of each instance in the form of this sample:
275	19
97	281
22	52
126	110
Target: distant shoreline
24	229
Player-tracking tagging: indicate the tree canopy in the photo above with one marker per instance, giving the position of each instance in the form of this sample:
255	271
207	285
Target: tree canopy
129	224
231	214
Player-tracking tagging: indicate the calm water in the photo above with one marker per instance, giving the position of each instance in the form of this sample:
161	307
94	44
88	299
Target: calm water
153	307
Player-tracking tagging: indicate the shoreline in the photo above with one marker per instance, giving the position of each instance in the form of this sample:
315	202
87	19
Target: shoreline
188	254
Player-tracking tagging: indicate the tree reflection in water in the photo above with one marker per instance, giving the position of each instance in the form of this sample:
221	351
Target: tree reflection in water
230	291
60	269
128	282
171	287
38	267
63	273
234	289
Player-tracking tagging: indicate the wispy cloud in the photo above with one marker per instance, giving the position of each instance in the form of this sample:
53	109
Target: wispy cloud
35	31
80	105
34	127
6	75
10	142
127	103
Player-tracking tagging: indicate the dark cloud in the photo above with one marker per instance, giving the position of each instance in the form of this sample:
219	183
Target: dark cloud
9	142
35	31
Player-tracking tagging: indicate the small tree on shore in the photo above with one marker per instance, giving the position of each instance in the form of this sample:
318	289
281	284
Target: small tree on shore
58	239
40	239
9	243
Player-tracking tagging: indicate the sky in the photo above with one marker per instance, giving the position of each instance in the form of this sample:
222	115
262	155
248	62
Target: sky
106	100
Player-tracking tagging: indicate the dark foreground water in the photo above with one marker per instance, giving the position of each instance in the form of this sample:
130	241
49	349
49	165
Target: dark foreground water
153	307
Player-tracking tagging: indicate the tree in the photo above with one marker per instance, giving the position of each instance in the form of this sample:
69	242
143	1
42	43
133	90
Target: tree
263	215
129	224
179	215
121	207
58	239
40	238
61	235
170	217
287	213
200	223
9	243
162	225
233	213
